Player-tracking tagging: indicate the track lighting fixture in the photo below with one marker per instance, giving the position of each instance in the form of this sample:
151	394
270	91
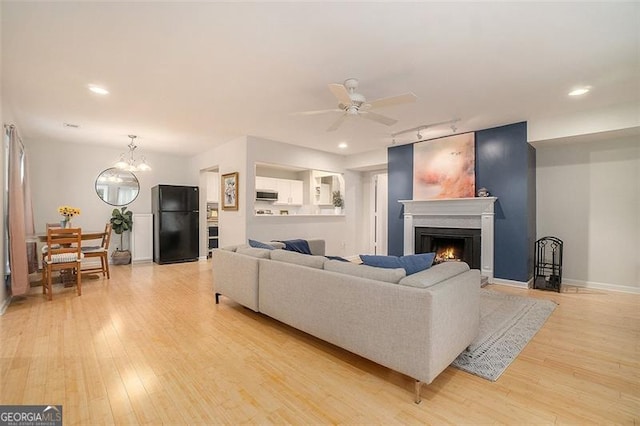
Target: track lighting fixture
419	129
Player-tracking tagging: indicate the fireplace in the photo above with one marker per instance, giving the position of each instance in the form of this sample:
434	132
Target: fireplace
473	215
450	244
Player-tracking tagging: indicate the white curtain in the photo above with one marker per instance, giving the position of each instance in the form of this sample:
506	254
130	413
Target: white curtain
20	214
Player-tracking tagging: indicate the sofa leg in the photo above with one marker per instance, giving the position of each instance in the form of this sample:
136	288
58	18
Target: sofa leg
217	298
418	385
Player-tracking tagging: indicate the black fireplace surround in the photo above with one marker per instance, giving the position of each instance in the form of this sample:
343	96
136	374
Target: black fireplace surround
465	242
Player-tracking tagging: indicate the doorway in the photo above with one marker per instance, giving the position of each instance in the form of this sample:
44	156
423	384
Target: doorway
378	209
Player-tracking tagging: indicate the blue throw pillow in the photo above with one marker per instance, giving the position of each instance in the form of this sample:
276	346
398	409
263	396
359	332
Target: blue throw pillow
417	262
411	263
259	244
300	246
380	261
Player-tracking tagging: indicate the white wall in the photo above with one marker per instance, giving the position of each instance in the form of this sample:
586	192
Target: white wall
588	195
609	118
65	174
337	231
342	233
228	158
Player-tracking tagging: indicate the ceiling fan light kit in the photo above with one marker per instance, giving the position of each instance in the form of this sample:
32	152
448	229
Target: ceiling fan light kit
352	103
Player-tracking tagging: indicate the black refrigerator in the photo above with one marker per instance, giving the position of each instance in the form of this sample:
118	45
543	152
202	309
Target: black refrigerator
175	223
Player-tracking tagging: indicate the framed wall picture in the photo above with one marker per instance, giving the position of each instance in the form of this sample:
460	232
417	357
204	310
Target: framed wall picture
229	191
444	168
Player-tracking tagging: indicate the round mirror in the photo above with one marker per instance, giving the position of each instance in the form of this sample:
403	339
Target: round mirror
117	187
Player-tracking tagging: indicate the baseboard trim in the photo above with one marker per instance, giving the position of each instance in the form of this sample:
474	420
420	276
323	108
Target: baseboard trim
511	283
601	286
202	258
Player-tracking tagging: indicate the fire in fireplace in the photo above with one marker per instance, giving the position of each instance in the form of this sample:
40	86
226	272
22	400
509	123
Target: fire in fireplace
450	244
447	249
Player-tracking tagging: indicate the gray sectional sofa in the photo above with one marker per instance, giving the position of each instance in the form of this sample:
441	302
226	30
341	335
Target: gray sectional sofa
416	324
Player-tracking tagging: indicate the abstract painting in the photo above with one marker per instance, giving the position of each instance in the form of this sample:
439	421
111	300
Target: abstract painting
444	168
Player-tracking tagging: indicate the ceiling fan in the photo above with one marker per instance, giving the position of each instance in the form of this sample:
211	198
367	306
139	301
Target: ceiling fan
353	103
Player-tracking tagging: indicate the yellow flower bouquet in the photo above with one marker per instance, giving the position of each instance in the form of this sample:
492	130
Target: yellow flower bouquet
68	212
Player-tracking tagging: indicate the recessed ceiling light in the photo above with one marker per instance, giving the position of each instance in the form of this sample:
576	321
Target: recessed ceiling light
73	126
580	91
343	145
99	90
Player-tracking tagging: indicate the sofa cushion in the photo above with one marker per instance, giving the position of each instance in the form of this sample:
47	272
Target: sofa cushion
260	244
298	258
435	274
254	252
411	263
364	271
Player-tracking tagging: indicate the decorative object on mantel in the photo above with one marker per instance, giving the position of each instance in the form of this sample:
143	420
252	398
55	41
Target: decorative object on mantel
444	168
130	163
121	221
483	192
338	202
67	213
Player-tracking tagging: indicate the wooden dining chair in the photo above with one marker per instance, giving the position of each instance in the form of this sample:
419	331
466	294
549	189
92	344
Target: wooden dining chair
46	246
64	252
101	251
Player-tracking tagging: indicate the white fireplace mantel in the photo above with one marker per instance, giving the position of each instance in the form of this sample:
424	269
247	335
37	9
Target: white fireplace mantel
470	213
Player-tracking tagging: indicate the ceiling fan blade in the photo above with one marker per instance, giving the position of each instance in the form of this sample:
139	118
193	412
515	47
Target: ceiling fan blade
337	123
340	92
378	118
320	111
393	100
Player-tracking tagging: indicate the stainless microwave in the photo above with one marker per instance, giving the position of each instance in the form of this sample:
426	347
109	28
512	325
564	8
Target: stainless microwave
266	195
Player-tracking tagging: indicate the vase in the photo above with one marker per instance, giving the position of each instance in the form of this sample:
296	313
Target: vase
337	210
65	223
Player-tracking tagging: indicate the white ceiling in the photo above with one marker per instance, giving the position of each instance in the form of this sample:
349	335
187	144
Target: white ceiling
185	77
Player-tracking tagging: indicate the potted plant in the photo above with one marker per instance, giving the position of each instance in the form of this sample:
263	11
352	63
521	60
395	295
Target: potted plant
338	202
121	221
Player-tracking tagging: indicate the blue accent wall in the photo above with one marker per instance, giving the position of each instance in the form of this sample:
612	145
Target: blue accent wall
505	165
400	170
502	166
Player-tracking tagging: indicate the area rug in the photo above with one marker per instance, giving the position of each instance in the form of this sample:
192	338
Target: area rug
507	323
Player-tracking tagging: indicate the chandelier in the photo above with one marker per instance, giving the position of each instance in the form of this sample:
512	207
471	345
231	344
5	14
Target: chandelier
130	163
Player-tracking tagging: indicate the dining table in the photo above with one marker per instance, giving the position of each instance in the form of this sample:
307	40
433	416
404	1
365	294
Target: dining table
85	236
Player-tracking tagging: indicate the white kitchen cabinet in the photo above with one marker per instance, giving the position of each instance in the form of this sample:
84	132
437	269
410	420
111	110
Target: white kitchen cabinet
213	187
289	192
266	183
296	192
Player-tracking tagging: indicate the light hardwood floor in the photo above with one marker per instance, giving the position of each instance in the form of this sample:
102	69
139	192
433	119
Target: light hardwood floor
150	346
